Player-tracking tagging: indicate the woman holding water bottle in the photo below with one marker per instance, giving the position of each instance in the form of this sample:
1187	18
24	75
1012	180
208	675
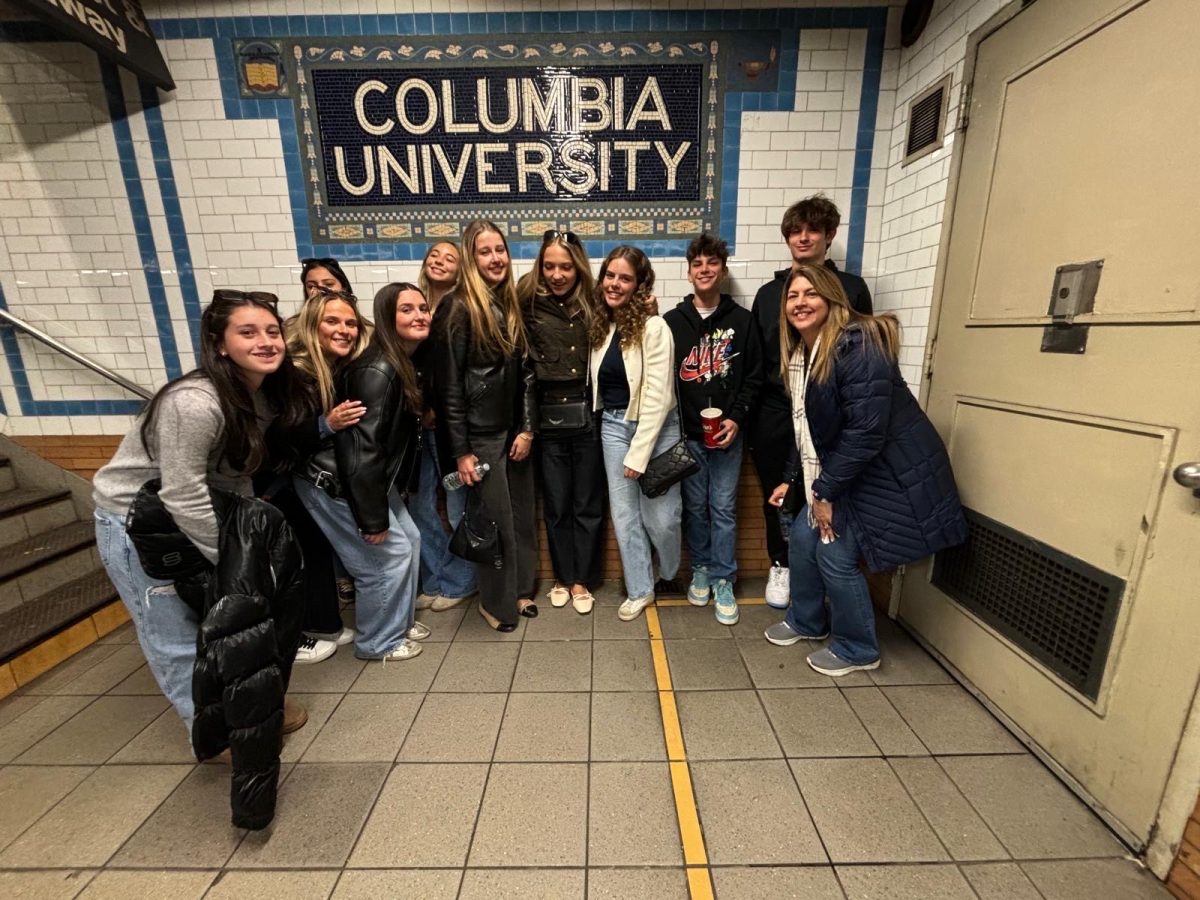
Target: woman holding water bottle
484	400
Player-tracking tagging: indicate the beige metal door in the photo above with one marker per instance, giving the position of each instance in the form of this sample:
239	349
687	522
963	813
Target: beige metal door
1083	143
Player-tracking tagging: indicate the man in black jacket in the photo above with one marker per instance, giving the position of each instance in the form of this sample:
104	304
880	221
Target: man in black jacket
718	365
808	228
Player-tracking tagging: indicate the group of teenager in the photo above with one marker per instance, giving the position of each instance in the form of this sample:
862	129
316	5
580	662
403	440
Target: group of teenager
560	382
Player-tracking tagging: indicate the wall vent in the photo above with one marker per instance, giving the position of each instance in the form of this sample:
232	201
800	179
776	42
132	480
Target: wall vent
1058	609
927	120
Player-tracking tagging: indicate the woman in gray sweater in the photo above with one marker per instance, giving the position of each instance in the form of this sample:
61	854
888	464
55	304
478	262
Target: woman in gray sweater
203	430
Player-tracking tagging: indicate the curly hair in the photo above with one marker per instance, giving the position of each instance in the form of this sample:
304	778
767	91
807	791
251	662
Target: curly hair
630	317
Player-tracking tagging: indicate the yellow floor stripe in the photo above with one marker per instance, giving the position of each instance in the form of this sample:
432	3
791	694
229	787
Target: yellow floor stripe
695	854
683	601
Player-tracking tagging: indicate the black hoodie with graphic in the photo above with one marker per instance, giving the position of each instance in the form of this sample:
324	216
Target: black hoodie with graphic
718	361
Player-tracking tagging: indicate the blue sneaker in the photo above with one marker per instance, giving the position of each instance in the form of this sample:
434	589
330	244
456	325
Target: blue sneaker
700	588
727	608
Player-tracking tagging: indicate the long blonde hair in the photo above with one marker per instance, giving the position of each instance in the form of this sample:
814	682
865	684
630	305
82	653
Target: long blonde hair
883	332
533	283
304	343
423	283
478	296
630	317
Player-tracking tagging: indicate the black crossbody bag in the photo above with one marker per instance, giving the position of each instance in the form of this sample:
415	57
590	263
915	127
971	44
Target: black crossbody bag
676	462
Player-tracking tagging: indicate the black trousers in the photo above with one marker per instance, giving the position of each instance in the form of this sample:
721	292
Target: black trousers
507	492
771	441
573	501
322	607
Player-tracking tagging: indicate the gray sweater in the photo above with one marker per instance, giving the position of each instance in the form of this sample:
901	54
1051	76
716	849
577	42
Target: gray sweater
186	452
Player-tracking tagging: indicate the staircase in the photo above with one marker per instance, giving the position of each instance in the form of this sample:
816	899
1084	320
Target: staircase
55	597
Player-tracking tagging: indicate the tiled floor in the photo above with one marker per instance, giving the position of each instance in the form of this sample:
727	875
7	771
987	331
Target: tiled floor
535	765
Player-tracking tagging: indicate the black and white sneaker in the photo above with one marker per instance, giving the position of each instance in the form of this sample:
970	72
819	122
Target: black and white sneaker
313	650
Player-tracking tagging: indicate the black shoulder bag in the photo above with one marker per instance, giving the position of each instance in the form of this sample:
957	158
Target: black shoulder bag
477	539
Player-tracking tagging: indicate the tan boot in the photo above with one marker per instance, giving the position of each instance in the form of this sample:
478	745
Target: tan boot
294	716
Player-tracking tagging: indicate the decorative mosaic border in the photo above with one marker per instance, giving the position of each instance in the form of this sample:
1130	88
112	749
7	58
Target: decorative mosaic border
263	62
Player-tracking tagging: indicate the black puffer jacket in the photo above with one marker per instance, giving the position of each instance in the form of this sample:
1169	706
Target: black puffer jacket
379	451
250	607
475	391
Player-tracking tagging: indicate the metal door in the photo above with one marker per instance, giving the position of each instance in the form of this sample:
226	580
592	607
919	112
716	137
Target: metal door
1075	608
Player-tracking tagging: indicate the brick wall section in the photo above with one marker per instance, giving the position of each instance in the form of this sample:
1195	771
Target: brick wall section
79	453
1184	878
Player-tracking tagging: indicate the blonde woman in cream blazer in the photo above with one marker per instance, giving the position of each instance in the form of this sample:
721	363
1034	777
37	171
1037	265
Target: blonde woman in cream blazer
632	369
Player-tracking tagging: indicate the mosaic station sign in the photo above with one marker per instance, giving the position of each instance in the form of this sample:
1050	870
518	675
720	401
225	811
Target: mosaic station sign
405	141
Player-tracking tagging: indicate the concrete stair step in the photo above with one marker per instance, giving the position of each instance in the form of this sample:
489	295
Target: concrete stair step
37	564
43	616
25	512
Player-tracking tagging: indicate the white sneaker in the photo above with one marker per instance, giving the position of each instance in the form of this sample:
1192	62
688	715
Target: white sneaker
778	593
341	638
426	601
630	609
418	632
312	650
406	649
441	604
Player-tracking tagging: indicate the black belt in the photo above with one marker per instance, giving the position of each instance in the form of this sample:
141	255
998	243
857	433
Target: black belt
318	477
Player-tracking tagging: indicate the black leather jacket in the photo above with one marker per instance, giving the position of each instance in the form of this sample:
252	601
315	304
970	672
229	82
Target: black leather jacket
381	450
476	391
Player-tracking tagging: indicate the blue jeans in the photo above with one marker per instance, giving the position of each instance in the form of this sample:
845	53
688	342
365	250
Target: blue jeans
166	626
818	570
710	508
385	575
639	522
441	571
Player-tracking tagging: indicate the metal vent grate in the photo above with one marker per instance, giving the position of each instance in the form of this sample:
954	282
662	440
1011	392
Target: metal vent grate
1057	608
926	121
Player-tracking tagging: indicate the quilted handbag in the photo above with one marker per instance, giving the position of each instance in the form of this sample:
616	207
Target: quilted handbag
670	467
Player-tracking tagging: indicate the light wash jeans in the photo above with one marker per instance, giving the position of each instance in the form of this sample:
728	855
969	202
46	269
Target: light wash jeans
385	575
640	522
441	571
166	626
818	570
710	508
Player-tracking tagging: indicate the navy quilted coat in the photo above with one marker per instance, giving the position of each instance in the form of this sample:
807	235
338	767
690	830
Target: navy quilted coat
883	466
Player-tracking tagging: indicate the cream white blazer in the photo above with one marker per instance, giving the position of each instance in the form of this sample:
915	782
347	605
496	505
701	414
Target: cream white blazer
650	372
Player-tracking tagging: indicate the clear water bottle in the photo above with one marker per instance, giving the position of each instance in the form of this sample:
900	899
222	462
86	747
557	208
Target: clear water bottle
453	481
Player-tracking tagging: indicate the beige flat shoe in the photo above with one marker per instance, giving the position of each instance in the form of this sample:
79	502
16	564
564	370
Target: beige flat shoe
559	596
582	603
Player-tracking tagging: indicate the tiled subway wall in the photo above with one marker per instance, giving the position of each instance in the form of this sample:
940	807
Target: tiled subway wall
121	208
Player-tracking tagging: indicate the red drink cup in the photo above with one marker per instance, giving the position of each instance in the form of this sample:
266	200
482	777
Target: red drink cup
710	421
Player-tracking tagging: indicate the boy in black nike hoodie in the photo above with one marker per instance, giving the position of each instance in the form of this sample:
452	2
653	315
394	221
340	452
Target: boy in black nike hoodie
718	367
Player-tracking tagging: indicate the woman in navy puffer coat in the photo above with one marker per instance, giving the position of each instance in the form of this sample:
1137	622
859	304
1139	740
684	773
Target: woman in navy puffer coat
871	477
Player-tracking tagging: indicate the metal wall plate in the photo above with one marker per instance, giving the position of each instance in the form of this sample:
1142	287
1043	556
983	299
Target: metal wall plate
1073	294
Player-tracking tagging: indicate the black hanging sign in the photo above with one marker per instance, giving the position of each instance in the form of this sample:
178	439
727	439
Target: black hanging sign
116	29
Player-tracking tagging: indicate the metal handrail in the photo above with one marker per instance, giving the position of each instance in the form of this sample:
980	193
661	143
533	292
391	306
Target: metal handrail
37	334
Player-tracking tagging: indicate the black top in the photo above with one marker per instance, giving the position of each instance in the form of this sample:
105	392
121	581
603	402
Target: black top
766	312
718	361
612	380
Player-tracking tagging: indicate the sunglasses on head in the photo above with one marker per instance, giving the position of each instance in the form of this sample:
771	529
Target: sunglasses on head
569	236
323	261
257	296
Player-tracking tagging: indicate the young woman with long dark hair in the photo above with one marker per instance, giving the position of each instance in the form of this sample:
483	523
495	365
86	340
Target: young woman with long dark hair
871	477
352	484
203	430
556	302
633	378
446	580
485	407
